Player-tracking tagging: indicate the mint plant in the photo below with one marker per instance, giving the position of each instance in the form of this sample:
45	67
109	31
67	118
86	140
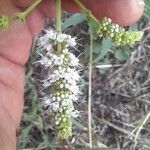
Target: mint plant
63	66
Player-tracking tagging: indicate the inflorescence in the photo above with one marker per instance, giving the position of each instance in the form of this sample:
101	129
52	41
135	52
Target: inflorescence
62	79
119	36
4	21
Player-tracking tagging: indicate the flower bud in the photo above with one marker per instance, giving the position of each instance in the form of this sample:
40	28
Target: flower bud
4	21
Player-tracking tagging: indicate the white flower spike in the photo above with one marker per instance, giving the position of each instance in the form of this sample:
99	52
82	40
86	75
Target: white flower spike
62	78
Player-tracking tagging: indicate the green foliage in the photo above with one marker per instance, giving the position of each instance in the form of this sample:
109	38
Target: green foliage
147	9
73	20
100	50
122	53
4	21
92	27
103	49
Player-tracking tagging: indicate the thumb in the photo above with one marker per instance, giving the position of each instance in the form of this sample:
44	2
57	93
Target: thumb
123	12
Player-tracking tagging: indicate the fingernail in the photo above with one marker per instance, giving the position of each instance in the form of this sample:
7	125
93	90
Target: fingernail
140	2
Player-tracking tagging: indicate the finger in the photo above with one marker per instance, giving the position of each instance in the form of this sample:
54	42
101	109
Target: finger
12	89
15	43
9	74
123	12
7	130
35	21
47	7
12	102
23	3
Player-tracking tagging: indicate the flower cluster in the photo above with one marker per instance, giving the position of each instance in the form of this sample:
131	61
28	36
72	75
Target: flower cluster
4	21
62	78
119	36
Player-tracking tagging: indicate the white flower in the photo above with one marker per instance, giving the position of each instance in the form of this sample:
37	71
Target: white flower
62	56
58	61
55	106
46	84
54	98
61	86
73	60
48	47
67	86
58	99
74	89
73	97
53	78
61	37
50	34
45	61
42	41
67	102
72	82
65	51
47	101
75	113
75	76
56	72
67	76
72	42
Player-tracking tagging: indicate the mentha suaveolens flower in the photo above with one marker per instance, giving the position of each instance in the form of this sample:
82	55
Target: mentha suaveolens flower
62	78
116	33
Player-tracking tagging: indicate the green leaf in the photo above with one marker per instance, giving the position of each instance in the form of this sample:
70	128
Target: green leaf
147	10
92	27
73	20
39	123
134	27
103	49
122	55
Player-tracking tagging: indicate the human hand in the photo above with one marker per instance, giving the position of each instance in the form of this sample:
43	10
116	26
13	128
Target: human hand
15	43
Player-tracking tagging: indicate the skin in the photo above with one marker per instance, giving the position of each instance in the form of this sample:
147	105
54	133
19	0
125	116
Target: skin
15	43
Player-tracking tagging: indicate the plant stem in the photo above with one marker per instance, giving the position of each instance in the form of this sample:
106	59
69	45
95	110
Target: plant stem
86	11
22	15
58	15
58	21
90	93
29	9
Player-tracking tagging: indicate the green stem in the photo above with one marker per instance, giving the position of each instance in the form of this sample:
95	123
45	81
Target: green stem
58	15
90	93
29	9
58	21
23	15
86	11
